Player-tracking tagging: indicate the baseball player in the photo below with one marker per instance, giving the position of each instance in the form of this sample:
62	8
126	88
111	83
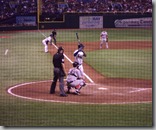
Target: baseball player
79	54
54	33
46	41
104	39
75	79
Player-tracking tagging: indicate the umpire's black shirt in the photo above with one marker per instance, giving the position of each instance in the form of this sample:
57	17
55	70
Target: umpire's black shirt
58	59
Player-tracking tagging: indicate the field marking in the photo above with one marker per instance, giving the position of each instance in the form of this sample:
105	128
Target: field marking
68	58
57	101
102	88
6	51
139	90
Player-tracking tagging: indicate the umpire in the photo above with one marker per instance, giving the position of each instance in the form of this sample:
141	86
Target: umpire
59	72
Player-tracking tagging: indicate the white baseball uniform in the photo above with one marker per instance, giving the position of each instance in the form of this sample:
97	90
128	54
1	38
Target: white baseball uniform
103	39
78	54
45	43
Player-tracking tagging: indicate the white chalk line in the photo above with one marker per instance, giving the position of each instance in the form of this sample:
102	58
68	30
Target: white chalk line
6	51
139	90
30	98
57	101
103	88
68	59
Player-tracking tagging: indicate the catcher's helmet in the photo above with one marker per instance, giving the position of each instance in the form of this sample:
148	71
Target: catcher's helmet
60	48
80	46
51	35
75	64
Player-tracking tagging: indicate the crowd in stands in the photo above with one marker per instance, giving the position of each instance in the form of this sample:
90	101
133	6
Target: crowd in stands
137	6
96	6
10	8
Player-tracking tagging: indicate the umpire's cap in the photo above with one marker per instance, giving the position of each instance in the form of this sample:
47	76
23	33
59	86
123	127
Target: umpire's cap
75	64
60	48
80	46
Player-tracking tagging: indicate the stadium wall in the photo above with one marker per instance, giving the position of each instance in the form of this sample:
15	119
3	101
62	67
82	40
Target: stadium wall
91	20
109	20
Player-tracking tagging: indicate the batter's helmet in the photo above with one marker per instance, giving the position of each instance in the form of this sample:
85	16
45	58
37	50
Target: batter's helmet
80	46
75	64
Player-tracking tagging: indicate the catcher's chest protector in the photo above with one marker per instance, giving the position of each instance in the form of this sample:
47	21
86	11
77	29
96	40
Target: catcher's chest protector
73	72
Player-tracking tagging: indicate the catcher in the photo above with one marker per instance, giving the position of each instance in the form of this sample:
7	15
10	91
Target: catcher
75	79
104	39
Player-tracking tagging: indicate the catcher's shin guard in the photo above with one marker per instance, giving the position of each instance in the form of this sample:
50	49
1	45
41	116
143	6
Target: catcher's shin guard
68	87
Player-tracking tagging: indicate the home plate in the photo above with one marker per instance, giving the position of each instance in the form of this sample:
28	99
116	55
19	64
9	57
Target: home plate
102	88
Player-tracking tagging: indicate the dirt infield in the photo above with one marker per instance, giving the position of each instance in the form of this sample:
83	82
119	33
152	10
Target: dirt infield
104	90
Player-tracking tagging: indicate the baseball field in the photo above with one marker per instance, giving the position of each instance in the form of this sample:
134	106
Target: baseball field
119	79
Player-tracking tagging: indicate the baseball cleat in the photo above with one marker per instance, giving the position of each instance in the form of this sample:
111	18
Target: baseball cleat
68	92
76	93
63	95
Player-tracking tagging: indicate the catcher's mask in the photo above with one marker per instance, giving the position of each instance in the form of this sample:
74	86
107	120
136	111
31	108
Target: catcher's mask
60	49
75	64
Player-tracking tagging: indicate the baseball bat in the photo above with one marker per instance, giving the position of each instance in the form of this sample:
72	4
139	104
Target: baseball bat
77	37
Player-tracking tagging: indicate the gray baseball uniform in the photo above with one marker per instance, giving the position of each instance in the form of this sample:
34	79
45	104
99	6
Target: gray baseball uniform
74	77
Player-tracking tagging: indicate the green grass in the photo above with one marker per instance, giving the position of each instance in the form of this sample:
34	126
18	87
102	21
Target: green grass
26	61
122	63
94	35
24	113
